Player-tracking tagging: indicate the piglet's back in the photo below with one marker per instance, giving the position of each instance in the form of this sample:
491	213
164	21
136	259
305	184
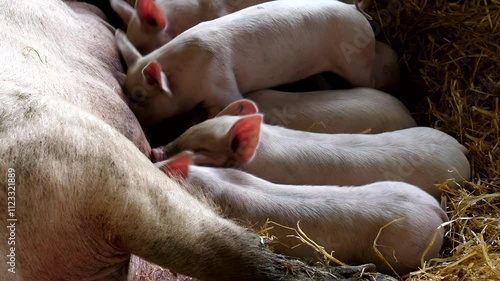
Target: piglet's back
316	35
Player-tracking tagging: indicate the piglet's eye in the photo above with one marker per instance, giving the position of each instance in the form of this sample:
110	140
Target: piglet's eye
137	95
139	98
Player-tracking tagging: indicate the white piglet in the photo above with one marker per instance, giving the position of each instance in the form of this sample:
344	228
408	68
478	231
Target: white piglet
335	111
212	64
345	220
154	23
420	156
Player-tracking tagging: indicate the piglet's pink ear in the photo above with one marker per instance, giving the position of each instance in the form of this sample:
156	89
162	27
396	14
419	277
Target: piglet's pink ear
123	9
153	75
150	15
177	165
243	137
128	51
239	107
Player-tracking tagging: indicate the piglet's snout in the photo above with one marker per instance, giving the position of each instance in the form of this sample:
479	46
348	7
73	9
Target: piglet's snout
158	154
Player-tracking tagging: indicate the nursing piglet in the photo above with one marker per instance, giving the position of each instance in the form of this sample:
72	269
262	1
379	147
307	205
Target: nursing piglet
155	23
335	111
212	64
345	220
420	156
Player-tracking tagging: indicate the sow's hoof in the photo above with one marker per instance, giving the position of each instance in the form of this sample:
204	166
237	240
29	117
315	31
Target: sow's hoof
297	271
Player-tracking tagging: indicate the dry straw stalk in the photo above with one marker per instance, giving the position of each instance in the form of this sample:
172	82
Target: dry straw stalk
450	55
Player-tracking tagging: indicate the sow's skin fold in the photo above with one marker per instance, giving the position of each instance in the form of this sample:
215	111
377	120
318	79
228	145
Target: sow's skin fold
86	197
345	220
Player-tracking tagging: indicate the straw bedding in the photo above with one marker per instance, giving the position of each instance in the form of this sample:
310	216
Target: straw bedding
450	59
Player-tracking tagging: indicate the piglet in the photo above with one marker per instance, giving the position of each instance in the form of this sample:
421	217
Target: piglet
420	156
334	111
212	64
345	220
155	23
